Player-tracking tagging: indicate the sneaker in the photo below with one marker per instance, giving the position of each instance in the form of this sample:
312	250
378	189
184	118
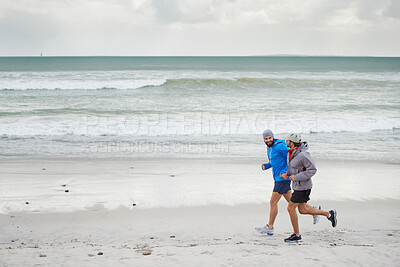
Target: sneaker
293	239
333	217
265	230
316	217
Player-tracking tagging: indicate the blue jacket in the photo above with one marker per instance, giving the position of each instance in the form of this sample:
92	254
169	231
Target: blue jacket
277	155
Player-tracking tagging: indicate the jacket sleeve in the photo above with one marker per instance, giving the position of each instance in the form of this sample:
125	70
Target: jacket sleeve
284	170
287	163
284	151
267	165
310	168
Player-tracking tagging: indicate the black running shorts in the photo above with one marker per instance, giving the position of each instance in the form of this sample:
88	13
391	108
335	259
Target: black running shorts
301	196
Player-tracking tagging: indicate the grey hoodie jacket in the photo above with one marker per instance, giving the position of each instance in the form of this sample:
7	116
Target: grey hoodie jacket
302	166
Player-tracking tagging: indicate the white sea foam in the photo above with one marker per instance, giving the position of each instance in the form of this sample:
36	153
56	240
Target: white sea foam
136	79
201	124
78	81
79	84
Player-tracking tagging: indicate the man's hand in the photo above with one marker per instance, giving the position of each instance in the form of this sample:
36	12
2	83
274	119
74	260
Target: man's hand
291	177
284	176
263	167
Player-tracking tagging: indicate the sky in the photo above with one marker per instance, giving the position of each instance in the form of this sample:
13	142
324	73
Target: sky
199	27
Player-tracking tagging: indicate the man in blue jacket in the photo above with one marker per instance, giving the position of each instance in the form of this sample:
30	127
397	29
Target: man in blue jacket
277	155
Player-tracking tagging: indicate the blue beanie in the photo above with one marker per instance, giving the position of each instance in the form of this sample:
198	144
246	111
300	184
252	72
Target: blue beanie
268	132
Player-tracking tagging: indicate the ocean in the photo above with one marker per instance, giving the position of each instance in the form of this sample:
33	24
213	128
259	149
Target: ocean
347	108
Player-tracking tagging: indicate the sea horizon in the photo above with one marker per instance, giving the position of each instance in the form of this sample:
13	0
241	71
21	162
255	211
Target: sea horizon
266	55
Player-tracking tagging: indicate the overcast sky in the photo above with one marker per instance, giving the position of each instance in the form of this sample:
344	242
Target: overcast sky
199	27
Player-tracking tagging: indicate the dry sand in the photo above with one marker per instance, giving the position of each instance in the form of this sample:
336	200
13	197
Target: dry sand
368	232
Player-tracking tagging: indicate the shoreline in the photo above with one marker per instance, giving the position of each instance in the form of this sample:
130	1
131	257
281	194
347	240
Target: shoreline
389	203
81	184
165	158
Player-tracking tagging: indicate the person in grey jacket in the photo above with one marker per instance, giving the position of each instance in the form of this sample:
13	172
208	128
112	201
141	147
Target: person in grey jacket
301	169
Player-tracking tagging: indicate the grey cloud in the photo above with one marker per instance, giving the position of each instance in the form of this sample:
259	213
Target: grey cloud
167	12
26	33
393	9
28	25
317	15
199	27
370	10
184	11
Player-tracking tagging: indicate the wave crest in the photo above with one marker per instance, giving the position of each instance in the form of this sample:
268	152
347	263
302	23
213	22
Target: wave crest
207	125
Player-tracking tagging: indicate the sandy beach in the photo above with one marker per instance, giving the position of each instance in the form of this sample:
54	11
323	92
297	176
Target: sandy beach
367	235
91	213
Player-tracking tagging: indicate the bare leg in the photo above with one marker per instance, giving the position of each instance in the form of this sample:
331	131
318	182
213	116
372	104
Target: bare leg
288	196
304	208
293	216
273	212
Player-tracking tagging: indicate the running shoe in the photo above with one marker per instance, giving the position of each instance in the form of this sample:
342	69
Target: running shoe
293	239
265	230
316	217
333	217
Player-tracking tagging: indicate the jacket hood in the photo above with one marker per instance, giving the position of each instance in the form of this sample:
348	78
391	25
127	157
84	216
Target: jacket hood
280	141
303	146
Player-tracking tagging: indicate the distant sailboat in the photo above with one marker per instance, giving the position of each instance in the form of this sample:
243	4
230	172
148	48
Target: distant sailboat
41	54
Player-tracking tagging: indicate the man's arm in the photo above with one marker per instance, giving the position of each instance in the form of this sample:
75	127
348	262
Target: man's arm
266	166
283	151
284	173
285	176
